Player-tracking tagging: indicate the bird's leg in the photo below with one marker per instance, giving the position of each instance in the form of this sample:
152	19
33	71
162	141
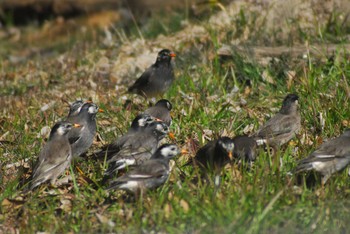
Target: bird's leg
324	180
217	182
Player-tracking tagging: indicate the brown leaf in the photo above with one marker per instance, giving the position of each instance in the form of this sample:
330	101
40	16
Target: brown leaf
184	205
104	220
167	210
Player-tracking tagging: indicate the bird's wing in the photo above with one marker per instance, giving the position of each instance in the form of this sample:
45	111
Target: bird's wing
51	157
139	144
144	79
277	125
149	169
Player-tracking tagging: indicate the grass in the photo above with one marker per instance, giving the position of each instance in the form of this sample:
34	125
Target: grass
210	98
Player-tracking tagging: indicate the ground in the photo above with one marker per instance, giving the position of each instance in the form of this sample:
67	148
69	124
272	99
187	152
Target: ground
235	63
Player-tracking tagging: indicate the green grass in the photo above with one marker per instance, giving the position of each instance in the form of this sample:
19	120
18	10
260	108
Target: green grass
206	96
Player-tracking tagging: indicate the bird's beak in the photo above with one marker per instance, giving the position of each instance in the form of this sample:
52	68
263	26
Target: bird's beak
100	110
158	120
172	54
77	125
183	151
230	155
171	136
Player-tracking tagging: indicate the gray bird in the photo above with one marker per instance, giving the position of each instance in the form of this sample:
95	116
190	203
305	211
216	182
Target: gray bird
214	156
157	79
138	148
244	148
331	157
282	127
149	175
161	110
139	123
55	156
82	138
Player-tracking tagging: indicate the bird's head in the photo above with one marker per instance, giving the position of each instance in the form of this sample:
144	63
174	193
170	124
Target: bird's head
226	145
62	128
289	104
164	103
164	56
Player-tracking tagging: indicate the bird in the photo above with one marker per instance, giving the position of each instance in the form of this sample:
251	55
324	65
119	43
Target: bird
161	110
138	123
332	156
150	174
139	148
55	156
82	138
214	156
157	79
244	148
282	127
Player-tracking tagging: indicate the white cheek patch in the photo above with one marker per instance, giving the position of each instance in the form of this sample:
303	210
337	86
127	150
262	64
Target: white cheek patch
159	127
142	122
92	110
61	131
261	142
166	151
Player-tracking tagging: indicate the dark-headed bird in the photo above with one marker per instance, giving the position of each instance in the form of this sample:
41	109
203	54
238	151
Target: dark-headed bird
282	127
82	138
214	156
137	125
157	79
161	110
139	148
149	175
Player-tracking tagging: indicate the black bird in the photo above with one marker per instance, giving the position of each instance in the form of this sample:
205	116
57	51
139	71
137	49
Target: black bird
332	156
55	156
138	148
139	123
282	127
149	175
81	139
214	156
244	148
157	79
161	110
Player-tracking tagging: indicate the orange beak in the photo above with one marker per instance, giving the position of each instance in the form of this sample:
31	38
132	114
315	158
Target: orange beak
100	110
173	55
183	151
171	135
76	125
230	155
